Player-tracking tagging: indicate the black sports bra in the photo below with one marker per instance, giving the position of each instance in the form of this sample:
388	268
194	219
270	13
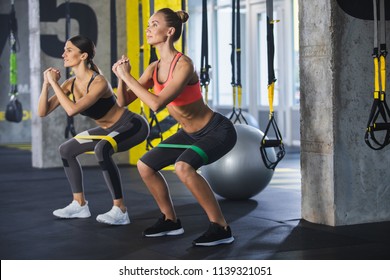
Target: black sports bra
101	107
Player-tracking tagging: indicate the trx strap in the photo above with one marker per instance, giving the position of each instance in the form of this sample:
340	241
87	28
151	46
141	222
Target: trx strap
204	64
69	120
184	33
113	41
236	58
141	51
154	124
155	130
153	55
108	138
277	142
196	149
379	118
14	110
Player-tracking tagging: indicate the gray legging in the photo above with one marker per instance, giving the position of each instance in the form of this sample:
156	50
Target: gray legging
130	130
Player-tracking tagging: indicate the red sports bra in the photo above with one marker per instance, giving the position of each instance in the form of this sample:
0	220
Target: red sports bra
190	93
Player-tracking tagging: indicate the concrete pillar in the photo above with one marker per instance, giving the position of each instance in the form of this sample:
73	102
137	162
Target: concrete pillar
47	39
344	182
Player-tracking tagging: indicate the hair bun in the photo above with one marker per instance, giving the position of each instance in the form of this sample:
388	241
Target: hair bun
183	15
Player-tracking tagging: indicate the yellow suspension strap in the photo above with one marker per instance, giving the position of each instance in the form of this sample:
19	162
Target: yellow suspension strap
236	115
108	138
204	74
379	119
238	59
265	141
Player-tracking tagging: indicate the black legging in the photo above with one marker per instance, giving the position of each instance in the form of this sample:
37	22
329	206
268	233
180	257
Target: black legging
130	130
213	141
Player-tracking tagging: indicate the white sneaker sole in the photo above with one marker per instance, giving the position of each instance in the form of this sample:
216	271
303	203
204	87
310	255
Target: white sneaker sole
117	223
166	233
75	216
217	242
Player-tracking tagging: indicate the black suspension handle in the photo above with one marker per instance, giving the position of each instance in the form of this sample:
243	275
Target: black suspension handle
380	126
271	163
267	144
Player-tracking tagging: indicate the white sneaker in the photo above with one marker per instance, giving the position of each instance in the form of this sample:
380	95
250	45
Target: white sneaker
73	210
114	217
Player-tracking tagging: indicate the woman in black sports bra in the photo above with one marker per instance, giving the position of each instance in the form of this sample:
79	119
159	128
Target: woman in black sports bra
89	93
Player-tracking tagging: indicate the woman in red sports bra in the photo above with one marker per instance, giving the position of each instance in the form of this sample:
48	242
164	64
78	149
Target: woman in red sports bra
204	137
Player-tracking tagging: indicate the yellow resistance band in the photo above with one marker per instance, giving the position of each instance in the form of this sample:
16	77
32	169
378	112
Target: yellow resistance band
100	137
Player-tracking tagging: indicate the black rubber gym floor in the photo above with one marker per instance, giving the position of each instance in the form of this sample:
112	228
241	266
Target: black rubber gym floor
268	226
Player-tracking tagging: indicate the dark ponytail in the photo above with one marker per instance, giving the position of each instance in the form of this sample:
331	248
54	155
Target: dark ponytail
93	66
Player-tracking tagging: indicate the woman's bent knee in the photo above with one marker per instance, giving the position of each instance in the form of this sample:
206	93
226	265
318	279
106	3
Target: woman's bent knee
183	169
144	169
64	149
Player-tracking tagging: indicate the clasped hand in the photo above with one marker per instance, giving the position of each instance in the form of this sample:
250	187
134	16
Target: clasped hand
51	75
121	67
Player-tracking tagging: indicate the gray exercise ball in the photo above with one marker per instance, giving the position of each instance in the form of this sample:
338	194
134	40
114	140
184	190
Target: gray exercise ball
250	120
241	173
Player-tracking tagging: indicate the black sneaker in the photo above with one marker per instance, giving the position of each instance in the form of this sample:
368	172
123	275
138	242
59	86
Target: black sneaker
164	227
215	235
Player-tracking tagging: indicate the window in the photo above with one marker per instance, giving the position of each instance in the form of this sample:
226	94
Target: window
296	90
254	68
